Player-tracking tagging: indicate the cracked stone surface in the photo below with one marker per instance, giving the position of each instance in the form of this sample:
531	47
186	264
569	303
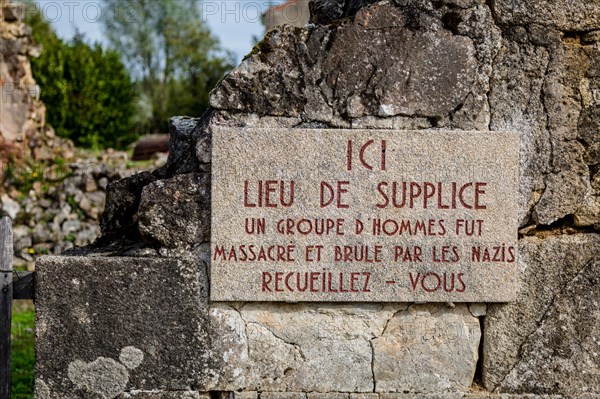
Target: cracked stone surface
427	349
564	352
405	61
302	347
230	351
329	348
332	343
576	15
164	395
547	341
542	85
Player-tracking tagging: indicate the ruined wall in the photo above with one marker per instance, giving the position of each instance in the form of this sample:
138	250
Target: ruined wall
16	81
405	64
23	129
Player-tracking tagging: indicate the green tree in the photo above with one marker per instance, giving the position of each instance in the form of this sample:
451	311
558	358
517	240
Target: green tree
87	90
101	96
171	54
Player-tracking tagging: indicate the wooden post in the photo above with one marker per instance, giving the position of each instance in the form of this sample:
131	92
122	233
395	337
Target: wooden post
6	297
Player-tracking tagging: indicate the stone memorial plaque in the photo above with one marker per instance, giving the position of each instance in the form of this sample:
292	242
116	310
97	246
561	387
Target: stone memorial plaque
364	215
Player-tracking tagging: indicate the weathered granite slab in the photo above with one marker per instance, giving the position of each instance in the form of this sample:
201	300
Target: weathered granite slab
364	215
109	326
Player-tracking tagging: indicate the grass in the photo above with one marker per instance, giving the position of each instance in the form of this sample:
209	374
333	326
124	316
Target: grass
23	356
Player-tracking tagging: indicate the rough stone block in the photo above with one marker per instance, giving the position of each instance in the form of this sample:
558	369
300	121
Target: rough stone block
364	396
164	395
122	202
546	342
545	84
176	212
561	356
183	134
441	75
450	74
245	395
427	349
341	348
105	326
567	15
302	347
314	348
328	395
283	395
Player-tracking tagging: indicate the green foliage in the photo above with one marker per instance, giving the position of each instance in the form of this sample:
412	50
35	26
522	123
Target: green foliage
22	348
170	52
87	90
23	175
101	97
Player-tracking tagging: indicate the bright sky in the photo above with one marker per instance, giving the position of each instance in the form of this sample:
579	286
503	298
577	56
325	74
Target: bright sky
235	22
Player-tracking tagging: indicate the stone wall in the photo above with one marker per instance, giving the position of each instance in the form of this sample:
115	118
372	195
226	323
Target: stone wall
23	129
136	306
18	87
60	207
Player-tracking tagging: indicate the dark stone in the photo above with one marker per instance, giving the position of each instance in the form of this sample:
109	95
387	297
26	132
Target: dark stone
176	212
184	132
203	149
122	201
572	15
105	326
123	197
327	11
272	89
182	143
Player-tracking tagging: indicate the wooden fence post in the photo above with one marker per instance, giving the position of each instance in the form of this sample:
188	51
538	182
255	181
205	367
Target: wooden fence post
6	297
